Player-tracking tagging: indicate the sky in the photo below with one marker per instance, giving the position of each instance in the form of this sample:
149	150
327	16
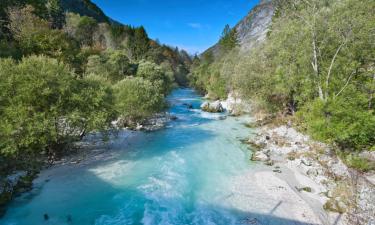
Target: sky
193	25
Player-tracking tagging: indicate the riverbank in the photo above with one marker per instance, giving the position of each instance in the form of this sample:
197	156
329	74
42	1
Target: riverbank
335	193
196	171
92	148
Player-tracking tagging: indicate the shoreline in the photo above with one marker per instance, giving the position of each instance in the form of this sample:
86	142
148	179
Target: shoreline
296	187
315	174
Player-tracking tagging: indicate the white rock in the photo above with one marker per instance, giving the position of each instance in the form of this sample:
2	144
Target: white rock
306	161
312	172
339	169
214	107
260	156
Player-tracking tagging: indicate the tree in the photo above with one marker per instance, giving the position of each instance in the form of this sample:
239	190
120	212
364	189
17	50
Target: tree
44	107
139	43
81	28
154	73
111	65
228	39
56	15
137	99
34	36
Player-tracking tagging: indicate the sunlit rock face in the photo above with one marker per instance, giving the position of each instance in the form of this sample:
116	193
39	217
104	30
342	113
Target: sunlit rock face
253	28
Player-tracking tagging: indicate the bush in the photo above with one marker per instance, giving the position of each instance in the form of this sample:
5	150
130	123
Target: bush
342	121
154	73
217	87
111	65
34	36
137	99
44	106
357	162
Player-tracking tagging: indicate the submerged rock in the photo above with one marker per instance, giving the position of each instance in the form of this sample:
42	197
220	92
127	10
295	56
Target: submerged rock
188	105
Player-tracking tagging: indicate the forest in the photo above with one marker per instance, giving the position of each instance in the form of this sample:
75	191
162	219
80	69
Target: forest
64	75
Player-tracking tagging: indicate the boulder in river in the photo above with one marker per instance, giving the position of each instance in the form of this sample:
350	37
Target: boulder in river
213	107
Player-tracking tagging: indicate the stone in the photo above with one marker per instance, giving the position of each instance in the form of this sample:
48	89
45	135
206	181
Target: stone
188	105
260	156
214	107
342	206
306	162
269	162
339	169
312	172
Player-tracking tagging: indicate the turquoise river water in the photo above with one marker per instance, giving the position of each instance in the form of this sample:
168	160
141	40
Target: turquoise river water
177	175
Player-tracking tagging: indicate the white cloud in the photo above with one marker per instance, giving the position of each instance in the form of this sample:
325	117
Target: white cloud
195	25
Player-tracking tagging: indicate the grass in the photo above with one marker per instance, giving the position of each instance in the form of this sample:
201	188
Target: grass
357	162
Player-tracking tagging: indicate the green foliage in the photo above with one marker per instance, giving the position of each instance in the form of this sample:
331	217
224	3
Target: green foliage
137	99
34	36
112	65
317	60
44	106
56	15
357	162
217	87
228	39
61	87
154	73
342	121
81	28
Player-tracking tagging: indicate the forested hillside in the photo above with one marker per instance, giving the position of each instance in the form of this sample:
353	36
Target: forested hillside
67	70
314	64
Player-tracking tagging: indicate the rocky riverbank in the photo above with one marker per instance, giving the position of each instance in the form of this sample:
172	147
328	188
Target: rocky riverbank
11	185
91	148
335	193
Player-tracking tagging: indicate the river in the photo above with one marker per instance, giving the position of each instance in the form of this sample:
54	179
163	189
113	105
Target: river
183	174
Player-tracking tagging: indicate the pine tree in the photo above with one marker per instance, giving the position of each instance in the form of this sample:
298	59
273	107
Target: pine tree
228	39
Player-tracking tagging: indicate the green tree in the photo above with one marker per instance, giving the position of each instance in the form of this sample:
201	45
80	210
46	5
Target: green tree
228	39
56	15
81	28
154	73
34	36
139	43
44	107
137	99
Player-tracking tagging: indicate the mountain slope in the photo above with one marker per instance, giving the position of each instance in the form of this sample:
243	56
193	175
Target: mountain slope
85	8
252	28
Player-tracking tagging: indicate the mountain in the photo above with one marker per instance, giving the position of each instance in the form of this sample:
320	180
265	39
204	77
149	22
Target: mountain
252	28
85	8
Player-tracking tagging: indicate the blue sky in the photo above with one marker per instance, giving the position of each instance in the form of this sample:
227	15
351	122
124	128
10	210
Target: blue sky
193	25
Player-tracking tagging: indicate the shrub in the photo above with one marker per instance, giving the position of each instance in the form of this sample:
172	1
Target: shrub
154	73
44	106
343	122
137	99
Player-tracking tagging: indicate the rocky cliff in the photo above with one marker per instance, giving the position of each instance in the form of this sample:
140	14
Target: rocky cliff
252	28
